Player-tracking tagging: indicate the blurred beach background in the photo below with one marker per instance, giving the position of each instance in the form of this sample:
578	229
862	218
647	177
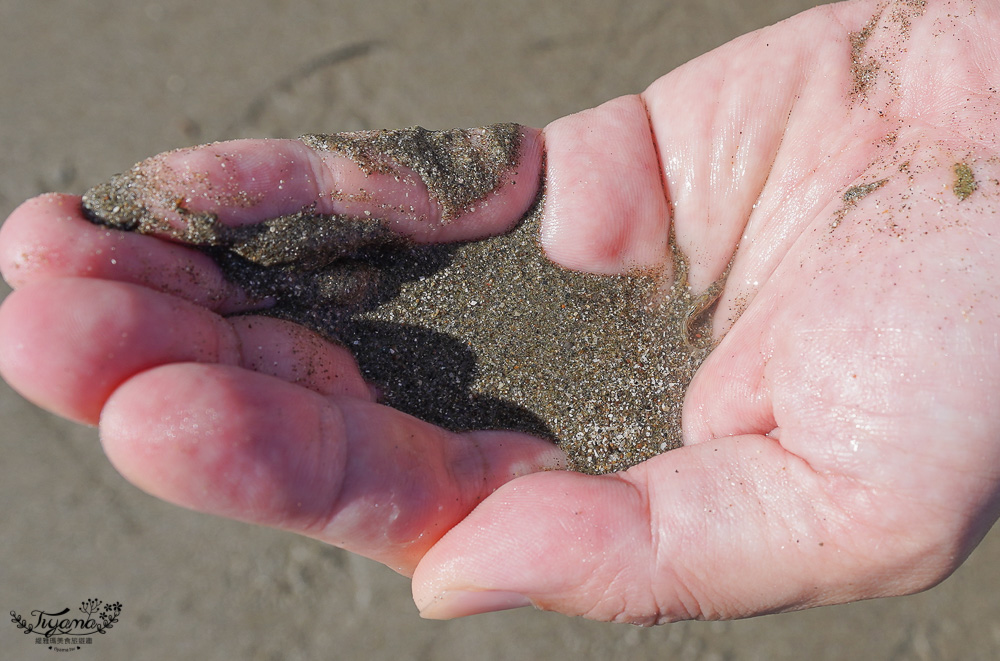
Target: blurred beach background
89	88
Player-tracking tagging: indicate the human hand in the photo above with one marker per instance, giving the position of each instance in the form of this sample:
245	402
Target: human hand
839	442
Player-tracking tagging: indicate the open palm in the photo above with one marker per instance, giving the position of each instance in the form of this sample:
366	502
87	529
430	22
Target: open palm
841	442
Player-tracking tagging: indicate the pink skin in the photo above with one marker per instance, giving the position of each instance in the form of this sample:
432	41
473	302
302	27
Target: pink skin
841	442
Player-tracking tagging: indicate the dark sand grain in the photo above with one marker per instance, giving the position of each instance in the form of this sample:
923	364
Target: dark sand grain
482	335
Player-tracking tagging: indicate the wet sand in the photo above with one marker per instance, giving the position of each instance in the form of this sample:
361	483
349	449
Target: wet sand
481	335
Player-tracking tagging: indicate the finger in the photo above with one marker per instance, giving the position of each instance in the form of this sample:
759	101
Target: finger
605	207
251	447
67	344
425	195
48	237
295	354
722	529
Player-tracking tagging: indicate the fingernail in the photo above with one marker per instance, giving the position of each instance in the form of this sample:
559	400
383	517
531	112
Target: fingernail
459	603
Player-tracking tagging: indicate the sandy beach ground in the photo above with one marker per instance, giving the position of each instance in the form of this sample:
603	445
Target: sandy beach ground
87	89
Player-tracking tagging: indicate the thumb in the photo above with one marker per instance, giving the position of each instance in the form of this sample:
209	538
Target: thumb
723	529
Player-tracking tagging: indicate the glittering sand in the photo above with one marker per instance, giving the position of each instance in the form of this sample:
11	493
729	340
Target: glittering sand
481	335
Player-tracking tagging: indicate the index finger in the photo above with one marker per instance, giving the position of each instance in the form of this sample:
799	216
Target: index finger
424	185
